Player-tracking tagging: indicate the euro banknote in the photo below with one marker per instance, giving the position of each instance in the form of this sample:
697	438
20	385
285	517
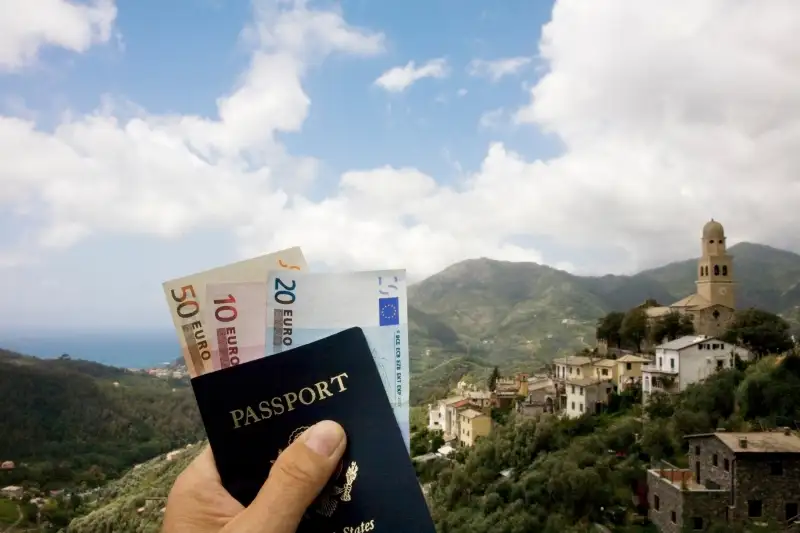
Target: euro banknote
237	317
304	307
186	296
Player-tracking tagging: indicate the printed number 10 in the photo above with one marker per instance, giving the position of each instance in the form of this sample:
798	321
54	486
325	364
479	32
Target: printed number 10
284	295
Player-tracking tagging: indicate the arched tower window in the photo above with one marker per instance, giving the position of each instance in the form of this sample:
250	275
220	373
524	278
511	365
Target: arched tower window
705	270
701	272
724	270
716	270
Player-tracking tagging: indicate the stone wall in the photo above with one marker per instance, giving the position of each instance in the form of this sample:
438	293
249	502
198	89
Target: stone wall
669	500
708	448
754	481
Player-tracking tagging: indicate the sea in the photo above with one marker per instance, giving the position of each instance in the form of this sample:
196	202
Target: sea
127	349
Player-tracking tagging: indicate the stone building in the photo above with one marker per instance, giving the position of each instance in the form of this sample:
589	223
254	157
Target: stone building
734	478
712	306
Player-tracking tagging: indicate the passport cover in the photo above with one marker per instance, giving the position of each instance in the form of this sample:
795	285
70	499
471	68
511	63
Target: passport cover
254	410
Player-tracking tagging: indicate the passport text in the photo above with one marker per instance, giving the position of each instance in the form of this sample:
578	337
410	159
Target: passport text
289	401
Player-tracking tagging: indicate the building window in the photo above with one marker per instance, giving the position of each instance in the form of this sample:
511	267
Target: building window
657	502
776	468
605	372
578	371
726	465
581	406
701	271
580	391
673	517
672	363
628	366
697	523
573	389
697	450
573	406
720	363
715	314
754	508
724	270
716	270
570	370
791	511
659	362
714	460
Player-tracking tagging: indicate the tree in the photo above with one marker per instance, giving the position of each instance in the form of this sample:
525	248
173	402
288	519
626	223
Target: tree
608	328
634	327
671	326
760	331
493	377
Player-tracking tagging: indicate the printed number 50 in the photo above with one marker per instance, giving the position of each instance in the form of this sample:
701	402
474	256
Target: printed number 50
284	296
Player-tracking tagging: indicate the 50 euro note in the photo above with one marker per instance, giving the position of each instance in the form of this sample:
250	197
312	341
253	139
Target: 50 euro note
186	296
304	307
236	313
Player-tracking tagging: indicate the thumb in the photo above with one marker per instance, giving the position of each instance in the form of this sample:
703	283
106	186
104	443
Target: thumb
296	478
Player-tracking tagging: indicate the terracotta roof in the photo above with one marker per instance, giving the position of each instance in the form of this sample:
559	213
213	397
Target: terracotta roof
633	359
460	403
757	442
587	382
605	362
574	360
452	399
693	300
684	342
471	413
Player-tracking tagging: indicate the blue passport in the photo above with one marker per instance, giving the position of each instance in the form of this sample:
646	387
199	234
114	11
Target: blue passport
254	410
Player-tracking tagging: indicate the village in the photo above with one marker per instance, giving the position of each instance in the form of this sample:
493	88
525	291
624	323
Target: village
732	477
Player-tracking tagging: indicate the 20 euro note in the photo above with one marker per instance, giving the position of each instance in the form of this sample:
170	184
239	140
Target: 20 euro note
305	307
237	317
187	295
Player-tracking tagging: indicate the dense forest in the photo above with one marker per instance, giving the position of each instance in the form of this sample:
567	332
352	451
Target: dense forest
563	476
71	422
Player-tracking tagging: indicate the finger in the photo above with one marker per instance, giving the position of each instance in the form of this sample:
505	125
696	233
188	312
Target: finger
203	467
296	478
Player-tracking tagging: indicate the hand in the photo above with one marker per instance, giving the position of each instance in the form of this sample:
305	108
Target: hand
198	503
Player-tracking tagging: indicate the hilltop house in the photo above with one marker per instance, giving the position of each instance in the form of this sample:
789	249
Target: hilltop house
629	371
473	425
687	360
711	308
12	492
586	395
733	479
459	419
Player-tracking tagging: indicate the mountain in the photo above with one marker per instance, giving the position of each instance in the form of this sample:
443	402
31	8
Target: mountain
516	315
69	422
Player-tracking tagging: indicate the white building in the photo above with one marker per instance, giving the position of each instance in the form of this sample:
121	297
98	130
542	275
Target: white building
443	415
687	360
585	395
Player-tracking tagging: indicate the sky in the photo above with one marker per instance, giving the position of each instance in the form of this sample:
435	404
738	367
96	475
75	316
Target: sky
142	141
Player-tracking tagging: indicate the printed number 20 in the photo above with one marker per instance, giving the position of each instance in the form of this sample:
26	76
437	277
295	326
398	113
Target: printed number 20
285	296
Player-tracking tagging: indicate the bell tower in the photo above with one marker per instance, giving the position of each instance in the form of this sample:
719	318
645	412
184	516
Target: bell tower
715	267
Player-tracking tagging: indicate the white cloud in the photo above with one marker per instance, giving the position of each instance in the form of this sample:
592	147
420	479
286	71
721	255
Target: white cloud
398	79
497	68
669	115
492	119
26	26
462	92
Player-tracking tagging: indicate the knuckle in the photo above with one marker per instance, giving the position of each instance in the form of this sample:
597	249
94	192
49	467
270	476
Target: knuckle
297	472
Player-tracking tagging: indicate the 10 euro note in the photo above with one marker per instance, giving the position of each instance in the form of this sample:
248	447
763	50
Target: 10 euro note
237	317
304	307
186	297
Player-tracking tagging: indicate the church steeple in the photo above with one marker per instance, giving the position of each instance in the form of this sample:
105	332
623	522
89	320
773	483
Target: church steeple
715	267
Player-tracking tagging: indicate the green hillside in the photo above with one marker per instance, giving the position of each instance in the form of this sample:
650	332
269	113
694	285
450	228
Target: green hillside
518	314
134	503
71	422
